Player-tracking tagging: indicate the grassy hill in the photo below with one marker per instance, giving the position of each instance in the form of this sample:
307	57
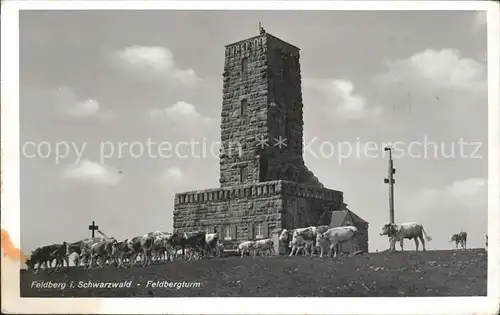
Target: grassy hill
433	273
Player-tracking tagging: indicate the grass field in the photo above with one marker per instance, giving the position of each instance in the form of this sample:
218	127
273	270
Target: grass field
433	273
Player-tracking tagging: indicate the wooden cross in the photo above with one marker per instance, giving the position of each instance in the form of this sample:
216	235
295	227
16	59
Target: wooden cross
93	228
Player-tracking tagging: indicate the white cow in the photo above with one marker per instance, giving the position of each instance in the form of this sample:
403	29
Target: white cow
410	230
302	238
244	247
160	246
102	250
263	246
143	246
82	250
299	243
334	236
212	243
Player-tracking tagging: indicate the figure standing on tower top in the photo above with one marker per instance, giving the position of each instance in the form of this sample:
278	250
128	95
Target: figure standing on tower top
261	29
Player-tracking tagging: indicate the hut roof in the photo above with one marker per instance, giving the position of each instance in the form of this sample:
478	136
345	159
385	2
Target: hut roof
338	218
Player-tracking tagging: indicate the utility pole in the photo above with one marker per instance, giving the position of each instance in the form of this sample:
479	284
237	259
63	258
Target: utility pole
390	180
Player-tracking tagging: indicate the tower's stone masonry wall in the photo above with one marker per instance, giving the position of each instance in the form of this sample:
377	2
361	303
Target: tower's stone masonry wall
285	117
274	204
263	73
240	131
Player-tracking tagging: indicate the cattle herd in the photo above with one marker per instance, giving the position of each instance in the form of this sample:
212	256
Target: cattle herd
165	246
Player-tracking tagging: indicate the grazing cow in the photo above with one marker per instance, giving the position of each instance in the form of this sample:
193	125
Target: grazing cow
245	247
147	244
460	238
82	249
211	242
158	245
102	250
36	257
121	251
46	254
142	245
135	248
162	246
334	236
195	240
263	246
298	243
319	230
302	238
409	230
76	248
285	236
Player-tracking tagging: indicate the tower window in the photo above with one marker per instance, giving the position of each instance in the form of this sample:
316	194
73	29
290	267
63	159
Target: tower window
227	233
243	107
259	230
244	65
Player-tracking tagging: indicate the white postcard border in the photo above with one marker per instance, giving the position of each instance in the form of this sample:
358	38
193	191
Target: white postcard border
10	219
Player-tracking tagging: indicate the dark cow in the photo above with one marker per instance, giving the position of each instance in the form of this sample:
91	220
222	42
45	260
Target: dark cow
134	246
460	238
195	240
46	254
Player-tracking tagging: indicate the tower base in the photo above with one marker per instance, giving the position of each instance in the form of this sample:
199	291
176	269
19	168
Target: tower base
253	211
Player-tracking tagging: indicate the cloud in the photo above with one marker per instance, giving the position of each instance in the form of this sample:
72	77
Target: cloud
442	82
468	194
174	173
181	112
70	105
92	172
339	95
154	63
469	188
172	176
436	69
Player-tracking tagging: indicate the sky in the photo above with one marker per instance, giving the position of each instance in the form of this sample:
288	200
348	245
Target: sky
97	86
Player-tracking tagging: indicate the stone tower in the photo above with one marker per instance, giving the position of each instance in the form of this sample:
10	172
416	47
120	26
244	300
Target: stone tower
262	122
264	183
